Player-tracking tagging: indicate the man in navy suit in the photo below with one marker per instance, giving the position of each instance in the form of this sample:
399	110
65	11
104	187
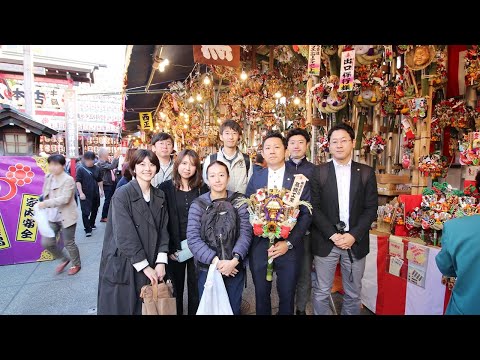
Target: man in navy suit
287	254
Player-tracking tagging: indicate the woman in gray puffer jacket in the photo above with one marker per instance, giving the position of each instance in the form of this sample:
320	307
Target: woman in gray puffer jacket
221	241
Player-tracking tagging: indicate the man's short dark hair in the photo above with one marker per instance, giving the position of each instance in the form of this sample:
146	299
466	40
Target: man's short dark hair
161	137
477	179
89	155
274	134
342	126
231	124
57	158
259	158
298	131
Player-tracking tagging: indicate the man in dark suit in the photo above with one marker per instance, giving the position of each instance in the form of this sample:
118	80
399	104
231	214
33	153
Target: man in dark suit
287	254
344	195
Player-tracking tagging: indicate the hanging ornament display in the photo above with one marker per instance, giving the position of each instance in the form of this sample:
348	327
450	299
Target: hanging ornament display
326	97
418	57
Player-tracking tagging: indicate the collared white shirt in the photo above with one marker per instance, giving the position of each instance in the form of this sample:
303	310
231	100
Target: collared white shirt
343	174
275	178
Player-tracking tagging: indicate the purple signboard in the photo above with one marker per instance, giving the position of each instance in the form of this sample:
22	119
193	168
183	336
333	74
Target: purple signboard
21	182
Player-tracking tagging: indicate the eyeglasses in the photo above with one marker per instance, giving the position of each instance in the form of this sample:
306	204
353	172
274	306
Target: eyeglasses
341	142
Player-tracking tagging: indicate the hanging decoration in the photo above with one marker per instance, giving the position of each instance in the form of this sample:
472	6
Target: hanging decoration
326	97
433	165
418	57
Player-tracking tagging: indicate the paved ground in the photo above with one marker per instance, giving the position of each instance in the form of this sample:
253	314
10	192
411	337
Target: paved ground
35	289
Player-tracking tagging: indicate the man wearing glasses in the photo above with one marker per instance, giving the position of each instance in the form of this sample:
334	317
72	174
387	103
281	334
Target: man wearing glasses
345	200
162	146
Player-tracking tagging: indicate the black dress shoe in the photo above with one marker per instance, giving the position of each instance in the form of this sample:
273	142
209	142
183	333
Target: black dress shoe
301	312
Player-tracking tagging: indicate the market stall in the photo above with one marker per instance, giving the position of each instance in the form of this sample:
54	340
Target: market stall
402	278
21	180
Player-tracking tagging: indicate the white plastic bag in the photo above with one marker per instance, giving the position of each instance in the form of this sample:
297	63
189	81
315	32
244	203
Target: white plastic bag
41	217
214	299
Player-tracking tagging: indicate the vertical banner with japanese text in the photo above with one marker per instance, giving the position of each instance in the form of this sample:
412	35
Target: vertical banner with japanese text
314	59
71	128
347	66
27	227
21	183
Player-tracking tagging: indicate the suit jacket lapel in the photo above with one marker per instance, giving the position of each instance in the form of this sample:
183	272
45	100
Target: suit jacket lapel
354	180
263	179
287	180
332	184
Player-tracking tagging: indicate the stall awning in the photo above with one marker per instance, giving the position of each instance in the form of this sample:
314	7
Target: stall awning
138	97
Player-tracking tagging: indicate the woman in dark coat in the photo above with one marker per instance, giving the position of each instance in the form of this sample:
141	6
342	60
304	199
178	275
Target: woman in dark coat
136	240
184	187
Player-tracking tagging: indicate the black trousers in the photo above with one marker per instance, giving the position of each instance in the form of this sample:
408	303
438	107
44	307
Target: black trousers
176	272
108	190
287	269
89	208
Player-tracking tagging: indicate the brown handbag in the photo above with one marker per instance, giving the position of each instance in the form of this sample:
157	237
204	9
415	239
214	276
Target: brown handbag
158	300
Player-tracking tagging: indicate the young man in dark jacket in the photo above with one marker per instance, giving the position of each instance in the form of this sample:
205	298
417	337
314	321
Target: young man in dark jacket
108	176
297	144
90	190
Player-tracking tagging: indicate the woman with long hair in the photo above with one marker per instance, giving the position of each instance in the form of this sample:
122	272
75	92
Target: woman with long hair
126	174
136	240
184	187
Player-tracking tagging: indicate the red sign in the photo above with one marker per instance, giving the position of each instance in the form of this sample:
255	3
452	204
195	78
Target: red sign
226	55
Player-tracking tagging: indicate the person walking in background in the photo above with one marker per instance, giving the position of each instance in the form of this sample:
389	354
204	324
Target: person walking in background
230	259
345	201
185	186
90	190
287	254
136	240
126	174
297	144
459	258
108	176
239	164
259	162
162	146
58	197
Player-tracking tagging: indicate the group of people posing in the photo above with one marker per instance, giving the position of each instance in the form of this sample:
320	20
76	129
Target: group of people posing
166	205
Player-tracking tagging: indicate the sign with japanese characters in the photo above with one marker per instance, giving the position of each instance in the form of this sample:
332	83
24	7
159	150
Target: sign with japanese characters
27	226
314	59
226	55
296	190
95	113
71	130
347	66
417	256
21	182
146	121
395	247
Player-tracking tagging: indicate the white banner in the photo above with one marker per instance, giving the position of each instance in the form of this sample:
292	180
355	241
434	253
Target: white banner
347	66
71	121
314	59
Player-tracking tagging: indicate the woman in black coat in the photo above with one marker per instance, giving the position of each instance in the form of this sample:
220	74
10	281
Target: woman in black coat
186	185
136	240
